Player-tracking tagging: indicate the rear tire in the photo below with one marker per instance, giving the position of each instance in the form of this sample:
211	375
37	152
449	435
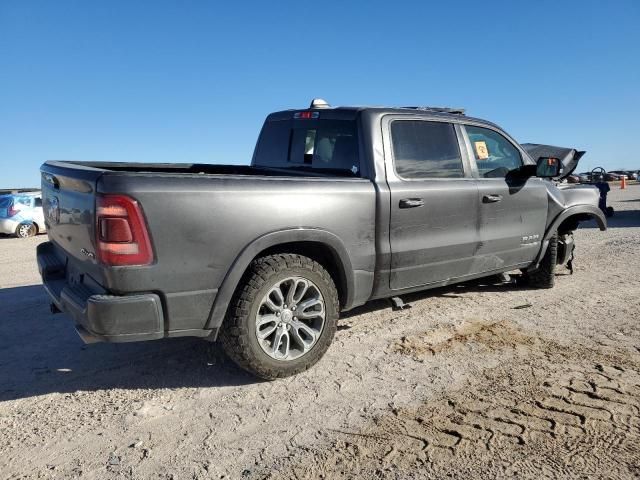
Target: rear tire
252	314
544	276
26	230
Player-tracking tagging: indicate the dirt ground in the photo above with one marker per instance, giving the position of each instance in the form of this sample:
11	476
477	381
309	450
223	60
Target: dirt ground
475	381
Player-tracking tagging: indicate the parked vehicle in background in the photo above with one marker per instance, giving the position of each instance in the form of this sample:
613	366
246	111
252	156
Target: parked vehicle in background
612	177
21	214
338	207
620	174
631	174
584	177
573	179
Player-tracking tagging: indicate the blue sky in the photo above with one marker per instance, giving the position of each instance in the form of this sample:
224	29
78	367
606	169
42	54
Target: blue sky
191	81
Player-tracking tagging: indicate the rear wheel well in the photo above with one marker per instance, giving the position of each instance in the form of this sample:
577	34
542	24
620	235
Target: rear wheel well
319	252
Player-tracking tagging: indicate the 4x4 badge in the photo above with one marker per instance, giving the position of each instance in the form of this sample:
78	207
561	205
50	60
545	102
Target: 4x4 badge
87	253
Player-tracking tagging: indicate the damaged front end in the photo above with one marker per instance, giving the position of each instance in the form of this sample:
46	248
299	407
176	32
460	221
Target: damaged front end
569	157
569	204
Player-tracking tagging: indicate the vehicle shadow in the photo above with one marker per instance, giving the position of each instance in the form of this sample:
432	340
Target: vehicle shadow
41	353
620	219
10	235
487	284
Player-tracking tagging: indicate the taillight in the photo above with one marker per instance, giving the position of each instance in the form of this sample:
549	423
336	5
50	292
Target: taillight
11	211
121	230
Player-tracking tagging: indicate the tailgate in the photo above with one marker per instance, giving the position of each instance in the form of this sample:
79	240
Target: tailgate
69	200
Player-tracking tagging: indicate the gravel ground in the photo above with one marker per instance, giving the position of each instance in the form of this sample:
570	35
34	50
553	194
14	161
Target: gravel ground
475	381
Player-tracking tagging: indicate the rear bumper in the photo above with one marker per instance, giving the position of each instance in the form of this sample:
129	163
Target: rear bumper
100	317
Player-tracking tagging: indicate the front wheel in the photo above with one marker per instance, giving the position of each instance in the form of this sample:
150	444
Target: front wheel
282	318
545	275
26	230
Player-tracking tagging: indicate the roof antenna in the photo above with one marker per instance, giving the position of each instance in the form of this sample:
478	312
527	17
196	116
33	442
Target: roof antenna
319	103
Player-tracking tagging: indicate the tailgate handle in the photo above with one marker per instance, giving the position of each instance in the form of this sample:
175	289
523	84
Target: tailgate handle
491	198
411	202
51	180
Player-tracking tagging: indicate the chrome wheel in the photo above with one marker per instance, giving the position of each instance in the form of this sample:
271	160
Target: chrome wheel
290	318
26	230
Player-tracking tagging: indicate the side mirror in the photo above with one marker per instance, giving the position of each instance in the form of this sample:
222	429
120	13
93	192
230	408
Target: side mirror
548	167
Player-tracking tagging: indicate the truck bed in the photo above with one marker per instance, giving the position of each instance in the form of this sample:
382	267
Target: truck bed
202	220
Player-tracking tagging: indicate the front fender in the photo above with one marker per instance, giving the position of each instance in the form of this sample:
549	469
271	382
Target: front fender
246	256
576	210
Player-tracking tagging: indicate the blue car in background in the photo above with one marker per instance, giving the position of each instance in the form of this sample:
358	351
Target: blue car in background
21	214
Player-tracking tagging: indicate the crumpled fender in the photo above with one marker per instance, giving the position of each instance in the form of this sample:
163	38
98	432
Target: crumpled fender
581	210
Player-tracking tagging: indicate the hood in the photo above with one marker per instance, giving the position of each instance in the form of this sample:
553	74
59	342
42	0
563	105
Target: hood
568	156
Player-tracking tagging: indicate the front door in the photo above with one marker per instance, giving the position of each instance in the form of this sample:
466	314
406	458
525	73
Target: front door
513	211
434	203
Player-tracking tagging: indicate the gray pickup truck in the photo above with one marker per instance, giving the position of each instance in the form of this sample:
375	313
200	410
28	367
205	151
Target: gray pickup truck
338	207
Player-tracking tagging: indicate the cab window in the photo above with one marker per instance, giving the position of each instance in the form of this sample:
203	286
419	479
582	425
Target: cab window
495	155
423	149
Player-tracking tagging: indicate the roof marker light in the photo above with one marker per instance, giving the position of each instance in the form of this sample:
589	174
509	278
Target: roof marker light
306	115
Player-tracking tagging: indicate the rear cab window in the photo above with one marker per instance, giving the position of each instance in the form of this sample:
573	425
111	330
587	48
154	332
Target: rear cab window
425	149
323	145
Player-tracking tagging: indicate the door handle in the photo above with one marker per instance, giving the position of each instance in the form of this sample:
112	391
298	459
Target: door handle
491	198
411	202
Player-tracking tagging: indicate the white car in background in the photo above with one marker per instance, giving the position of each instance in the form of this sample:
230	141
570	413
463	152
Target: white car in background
21	214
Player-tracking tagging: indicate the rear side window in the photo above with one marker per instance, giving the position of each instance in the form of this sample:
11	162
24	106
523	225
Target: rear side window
495	155
24	201
423	149
310	144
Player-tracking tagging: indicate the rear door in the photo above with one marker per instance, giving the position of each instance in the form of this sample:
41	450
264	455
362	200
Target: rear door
513	212
434	202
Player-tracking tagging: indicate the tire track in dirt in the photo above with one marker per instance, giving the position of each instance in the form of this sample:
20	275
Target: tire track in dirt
519	419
